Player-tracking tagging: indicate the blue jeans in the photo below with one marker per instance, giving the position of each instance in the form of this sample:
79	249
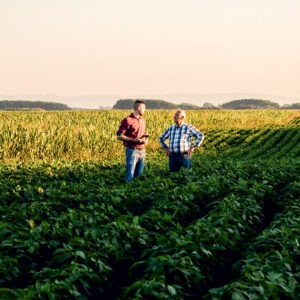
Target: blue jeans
135	161
178	160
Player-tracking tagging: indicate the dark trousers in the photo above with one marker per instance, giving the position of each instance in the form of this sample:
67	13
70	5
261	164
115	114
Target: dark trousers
178	160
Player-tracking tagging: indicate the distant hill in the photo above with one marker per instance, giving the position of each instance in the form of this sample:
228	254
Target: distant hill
235	104
31	105
108	100
292	106
153	104
220	98
150	104
250	104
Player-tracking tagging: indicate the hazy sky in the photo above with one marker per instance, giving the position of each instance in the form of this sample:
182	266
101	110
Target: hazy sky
74	47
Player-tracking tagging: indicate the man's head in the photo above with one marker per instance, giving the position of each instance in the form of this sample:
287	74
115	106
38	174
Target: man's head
179	116
139	107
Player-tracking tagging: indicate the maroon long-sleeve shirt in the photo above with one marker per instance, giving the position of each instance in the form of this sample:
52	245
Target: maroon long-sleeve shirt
134	128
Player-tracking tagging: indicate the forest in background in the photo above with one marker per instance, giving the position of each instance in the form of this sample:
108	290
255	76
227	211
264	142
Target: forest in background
150	103
235	104
32	105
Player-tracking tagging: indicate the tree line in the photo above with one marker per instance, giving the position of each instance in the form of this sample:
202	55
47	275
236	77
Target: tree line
153	104
31	105
235	104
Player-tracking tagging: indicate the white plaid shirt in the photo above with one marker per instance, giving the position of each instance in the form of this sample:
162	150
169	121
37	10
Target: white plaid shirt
180	138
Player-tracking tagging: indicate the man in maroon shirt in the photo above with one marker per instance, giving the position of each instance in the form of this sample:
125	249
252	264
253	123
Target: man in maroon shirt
132	132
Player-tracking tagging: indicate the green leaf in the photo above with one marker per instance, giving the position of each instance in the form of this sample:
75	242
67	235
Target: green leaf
237	296
80	254
273	276
135	220
171	290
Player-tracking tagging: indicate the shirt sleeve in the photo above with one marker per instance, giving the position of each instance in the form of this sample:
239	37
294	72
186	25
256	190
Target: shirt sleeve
198	135
163	137
123	127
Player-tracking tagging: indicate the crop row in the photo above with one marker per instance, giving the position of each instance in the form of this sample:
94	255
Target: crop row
78	231
189	260
270	269
275	143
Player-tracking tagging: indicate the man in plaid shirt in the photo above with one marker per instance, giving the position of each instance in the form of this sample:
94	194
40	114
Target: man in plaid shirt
180	146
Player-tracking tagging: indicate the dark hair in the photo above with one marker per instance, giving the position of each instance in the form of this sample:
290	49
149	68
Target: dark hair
137	103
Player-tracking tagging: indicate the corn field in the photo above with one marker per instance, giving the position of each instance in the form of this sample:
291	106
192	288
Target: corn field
48	136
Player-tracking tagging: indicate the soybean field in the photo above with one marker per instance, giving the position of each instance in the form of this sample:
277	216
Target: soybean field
72	228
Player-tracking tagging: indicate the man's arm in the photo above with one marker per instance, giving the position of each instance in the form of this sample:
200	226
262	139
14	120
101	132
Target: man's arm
199	139
123	137
162	139
198	135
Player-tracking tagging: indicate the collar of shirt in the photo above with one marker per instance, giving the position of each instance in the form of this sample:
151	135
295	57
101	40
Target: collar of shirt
177	127
134	116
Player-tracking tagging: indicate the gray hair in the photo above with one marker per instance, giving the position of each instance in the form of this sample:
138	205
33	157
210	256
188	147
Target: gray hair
182	112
